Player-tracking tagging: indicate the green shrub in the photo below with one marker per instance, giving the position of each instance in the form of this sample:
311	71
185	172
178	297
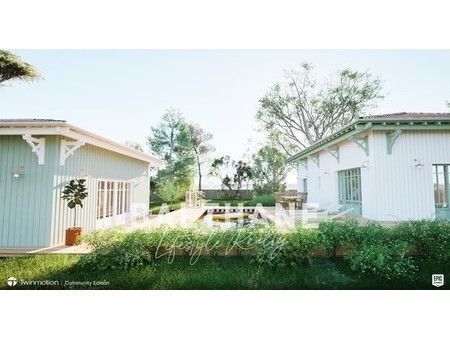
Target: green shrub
241	240
265	200
374	233
189	240
383	261
214	242
118	250
169	192
302	243
97	238
430	238
335	234
272	250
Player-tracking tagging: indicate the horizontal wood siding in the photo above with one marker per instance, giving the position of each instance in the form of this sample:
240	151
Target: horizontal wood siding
25	202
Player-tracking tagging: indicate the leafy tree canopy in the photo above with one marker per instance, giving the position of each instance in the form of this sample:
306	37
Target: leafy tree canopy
269	171
233	174
13	68
171	140
303	110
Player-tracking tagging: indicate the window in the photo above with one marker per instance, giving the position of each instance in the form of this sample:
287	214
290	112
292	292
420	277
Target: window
109	199
350	189
101	200
305	185
120	197
114	198
441	185
127	195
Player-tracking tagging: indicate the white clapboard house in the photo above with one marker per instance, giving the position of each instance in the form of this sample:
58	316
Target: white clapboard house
385	167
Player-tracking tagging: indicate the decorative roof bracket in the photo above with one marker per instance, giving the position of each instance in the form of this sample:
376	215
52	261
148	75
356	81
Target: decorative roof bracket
315	159
333	152
68	148
390	140
304	163
37	146
362	142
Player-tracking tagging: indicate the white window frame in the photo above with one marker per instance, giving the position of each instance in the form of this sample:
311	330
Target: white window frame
116	217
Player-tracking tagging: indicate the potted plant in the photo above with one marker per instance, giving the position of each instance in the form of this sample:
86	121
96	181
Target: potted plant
74	193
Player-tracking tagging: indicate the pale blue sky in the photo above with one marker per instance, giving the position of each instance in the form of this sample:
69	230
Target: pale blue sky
119	94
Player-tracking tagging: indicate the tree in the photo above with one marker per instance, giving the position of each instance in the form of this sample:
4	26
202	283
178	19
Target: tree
169	192
269	171
74	193
303	110
171	140
134	145
232	174
13	68
201	148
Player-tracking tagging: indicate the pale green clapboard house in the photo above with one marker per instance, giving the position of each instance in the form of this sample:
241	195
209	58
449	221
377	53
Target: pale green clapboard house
39	157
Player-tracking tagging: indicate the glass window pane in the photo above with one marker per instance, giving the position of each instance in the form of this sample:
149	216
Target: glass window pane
440	186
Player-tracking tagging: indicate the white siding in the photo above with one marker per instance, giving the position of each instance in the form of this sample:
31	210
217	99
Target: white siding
100	164
326	196
392	187
404	191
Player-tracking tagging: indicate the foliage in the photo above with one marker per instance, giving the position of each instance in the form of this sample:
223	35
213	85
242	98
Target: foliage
233	174
269	171
265	258
97	238
74	193
224	273
188	240
265	200
430	238
272	250
303	243
371	233
302	110
168	192
134	145
171	140
383	261
118	250
374	251
335	234
201	148
13	68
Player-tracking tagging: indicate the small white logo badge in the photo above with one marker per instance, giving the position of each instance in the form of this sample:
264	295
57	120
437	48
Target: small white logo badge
437	280
12	281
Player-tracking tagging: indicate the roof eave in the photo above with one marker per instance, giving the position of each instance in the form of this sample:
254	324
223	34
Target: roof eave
359	126
68	130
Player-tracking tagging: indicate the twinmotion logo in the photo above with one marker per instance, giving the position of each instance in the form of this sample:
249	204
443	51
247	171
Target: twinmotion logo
12	281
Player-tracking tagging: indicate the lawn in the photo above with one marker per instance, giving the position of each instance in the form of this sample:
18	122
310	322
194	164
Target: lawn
207	273
155	206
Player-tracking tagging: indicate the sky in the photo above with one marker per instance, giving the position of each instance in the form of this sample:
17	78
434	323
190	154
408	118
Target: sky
120	94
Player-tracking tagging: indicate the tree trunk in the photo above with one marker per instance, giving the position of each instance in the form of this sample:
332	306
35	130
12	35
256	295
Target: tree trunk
199	175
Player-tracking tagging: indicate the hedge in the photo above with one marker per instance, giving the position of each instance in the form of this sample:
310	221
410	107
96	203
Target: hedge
370	249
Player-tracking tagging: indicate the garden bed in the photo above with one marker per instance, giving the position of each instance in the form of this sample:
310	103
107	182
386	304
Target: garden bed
336	255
